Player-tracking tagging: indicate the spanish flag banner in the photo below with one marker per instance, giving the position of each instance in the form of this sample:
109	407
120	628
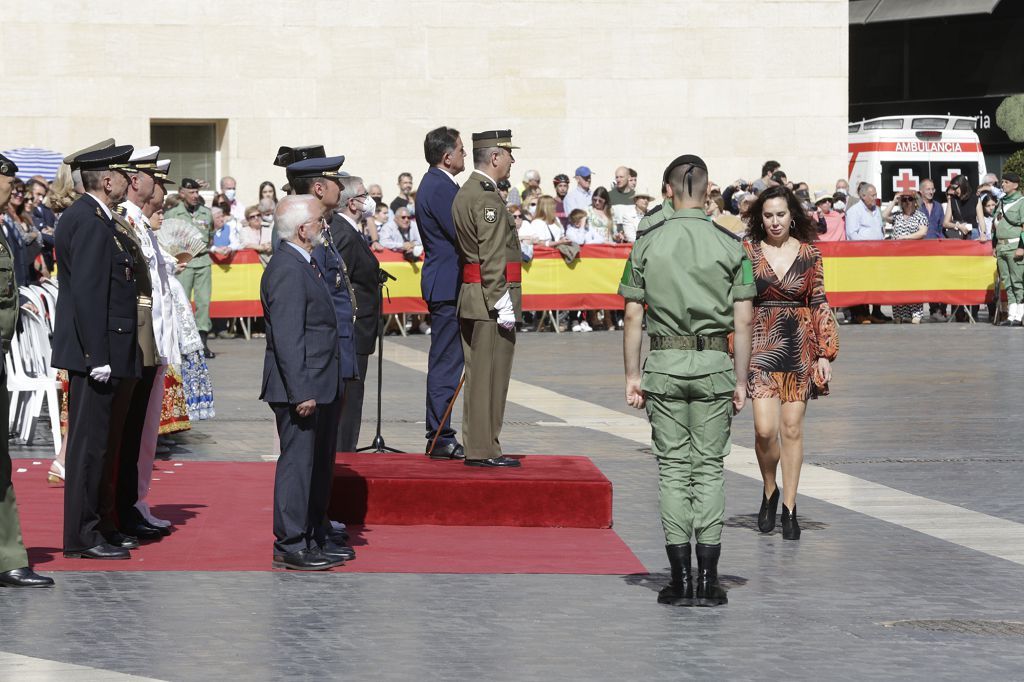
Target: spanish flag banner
881	272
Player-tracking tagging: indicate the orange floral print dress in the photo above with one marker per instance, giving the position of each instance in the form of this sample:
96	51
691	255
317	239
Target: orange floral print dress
793	327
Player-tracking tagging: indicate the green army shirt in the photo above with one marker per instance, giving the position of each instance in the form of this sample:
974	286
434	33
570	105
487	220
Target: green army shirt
8	294
485	236
202	220
1010	216
688	272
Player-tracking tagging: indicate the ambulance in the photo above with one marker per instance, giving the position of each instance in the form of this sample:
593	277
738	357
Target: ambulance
895	153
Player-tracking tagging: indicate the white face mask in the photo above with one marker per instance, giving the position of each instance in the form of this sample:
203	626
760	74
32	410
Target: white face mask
230	194
369	206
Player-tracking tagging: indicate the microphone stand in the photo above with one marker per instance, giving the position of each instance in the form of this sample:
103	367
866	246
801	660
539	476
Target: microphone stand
378	445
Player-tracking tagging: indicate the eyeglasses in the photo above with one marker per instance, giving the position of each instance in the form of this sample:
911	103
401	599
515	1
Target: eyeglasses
401	217
254	216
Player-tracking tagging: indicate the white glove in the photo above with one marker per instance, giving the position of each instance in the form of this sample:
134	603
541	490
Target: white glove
506	312
100	374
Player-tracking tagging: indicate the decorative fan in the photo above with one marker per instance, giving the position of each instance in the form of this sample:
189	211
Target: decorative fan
181	239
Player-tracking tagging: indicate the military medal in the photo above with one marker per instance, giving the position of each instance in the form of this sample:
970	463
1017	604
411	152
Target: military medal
127	273
337	281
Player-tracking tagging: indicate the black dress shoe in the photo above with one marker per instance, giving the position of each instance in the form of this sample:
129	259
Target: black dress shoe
123	540
338	537
146	531
502	461
769	507
24	577
453	450
101	551
708	592
679	591
336	550
306	560
790	527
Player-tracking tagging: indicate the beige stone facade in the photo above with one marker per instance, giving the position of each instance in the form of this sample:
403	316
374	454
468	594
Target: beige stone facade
631	82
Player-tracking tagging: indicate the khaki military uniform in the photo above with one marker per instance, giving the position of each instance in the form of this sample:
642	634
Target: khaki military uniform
486	238
12	549
1009	218
196	278
688	272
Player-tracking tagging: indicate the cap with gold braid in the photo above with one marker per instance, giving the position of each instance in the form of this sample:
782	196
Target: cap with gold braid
115	158
144	159
493	138
326	167
160	174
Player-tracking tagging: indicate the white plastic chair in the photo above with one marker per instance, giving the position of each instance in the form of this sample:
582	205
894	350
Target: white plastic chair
30	379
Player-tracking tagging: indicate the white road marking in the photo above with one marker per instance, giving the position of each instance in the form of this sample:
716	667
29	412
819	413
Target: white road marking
20	668
974	530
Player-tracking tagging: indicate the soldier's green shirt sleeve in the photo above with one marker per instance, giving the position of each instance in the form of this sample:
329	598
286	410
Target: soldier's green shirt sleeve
631	286
743	287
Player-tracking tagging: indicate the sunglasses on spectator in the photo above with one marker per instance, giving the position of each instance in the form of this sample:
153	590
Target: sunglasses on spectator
254	216
402	217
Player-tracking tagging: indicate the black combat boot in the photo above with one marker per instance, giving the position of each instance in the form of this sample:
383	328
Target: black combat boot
709	592
206	349
769	506
790	527
679	591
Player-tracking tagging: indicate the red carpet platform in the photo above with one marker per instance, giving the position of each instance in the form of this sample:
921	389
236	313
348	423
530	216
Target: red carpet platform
409	489
222	516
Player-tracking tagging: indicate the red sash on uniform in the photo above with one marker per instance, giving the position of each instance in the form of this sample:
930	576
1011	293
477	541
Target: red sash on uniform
471	273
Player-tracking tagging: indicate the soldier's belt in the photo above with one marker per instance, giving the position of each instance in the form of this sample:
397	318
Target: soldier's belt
719	343
471	273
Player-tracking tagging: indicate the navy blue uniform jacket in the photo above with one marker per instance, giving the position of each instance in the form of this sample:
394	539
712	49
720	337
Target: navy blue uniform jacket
329	260
301	360
440	279
97	315
363	271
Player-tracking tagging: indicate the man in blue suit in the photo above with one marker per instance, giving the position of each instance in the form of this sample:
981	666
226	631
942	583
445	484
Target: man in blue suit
301	382
440	281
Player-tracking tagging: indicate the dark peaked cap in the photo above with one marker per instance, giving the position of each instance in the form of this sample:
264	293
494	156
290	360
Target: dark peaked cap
115	158
493	138
326	167
7	167
71	158
286	156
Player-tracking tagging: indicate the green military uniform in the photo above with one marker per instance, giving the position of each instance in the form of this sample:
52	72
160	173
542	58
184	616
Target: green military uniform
196	278
12	549
688	272
488	244
1009	218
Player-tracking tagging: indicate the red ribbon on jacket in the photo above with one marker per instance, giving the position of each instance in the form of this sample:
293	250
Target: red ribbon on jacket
471	273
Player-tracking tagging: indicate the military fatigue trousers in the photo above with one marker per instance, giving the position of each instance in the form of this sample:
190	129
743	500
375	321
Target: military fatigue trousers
488	350
198	283
1011	274
691	421
12	549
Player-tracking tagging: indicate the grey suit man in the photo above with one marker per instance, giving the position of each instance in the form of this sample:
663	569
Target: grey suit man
302	385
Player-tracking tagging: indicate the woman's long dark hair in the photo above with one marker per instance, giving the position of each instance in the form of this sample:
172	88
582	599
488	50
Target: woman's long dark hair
802	228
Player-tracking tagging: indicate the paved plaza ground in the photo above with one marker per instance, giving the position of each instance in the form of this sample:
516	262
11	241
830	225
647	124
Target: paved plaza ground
910	565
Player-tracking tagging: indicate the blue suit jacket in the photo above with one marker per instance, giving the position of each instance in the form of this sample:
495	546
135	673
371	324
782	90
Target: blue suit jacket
441	275
329	260
301	360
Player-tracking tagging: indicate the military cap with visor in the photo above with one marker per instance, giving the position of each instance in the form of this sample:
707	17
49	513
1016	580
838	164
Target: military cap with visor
71	158
7	167
160	174
286	156
326	167
493	138
114	158
144	159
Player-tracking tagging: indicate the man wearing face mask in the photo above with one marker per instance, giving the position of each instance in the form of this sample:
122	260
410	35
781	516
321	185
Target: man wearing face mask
95	340
439	283
355	205
228	189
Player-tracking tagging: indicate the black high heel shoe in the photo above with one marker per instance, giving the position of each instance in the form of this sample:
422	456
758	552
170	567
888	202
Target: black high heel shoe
769	506
790	526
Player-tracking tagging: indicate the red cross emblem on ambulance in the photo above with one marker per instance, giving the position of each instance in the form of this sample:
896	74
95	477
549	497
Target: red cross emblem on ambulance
946	179
905	181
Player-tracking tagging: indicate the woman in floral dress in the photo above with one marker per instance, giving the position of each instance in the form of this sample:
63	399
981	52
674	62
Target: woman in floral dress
795	340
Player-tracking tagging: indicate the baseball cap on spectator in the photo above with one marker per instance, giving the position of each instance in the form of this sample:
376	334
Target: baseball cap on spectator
823	196
583	172
561	177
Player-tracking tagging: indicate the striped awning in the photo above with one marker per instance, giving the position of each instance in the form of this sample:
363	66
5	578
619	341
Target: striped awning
34	161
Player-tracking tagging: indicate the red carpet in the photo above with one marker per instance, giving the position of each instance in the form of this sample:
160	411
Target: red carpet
409	489
222	516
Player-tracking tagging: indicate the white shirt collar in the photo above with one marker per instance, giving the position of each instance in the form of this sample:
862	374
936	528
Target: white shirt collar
350	221
450	176
99	201
305	254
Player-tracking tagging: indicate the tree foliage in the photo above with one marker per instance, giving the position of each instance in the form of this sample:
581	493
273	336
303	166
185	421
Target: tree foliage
1015	163
1010	117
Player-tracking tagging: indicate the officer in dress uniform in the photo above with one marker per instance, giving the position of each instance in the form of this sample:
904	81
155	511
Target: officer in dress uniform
14	568
313	174
95	340
697	286
196	278
490	297
1009	219
131	224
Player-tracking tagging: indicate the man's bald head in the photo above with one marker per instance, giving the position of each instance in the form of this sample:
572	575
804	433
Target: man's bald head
621	178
